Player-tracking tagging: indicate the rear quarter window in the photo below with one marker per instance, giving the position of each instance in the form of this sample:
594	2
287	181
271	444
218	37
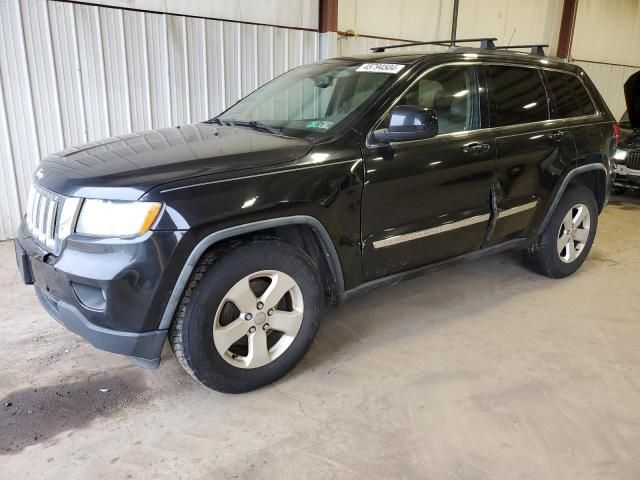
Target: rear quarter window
570	95
518	95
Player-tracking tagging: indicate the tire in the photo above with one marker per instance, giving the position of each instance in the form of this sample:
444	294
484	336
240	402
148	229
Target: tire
546	255
208	319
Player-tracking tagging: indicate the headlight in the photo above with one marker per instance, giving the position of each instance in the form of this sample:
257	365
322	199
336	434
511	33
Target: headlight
620	155
105	218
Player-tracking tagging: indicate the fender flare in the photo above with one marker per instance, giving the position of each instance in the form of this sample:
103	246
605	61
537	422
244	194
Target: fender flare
213	238
565	183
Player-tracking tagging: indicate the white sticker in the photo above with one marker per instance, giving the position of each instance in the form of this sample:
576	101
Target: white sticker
380	68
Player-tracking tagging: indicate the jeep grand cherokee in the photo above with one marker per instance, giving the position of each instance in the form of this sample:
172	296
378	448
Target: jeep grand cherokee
230	237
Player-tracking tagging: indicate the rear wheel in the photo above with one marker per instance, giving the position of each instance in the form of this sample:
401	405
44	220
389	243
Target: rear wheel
567	239
248	316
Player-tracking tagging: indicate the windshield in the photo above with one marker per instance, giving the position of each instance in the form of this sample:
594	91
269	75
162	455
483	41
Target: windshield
312	99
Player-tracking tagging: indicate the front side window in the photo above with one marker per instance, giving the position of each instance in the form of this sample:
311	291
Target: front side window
453	93
312	99
518	95
572	99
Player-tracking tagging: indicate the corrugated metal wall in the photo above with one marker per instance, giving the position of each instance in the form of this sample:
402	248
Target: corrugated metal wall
609	79
72	73
606	43
515	21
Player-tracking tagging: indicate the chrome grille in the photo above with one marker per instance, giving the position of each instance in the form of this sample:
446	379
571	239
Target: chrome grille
42	213
633	160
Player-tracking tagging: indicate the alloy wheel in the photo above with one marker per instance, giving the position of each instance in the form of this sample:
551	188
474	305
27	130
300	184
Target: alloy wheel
574	233
258	319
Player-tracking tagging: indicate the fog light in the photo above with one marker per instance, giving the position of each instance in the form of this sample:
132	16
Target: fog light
93	298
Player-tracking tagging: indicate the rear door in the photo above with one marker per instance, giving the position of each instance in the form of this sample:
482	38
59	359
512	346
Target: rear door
532	148
573	106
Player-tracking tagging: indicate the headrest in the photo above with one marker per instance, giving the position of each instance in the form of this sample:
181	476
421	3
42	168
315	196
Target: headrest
442	102
459	108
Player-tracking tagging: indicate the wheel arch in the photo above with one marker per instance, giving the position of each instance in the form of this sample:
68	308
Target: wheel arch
280	224
593	175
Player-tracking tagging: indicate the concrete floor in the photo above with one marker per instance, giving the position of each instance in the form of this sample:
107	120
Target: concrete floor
480	371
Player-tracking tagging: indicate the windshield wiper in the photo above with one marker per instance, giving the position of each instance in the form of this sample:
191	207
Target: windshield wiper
257	125
219	121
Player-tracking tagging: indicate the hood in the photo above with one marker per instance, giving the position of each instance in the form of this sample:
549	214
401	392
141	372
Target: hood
125	167
632	96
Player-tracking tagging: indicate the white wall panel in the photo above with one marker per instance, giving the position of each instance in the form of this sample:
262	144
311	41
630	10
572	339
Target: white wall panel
196	51
531	21
67	75
606	43
178	69
137	70
215	65
280	52
72	73
9	199
515	21
248	59
18	98
115	71
265	54
609	79
406	19
39	54
92	74
607	31
158	66
285	13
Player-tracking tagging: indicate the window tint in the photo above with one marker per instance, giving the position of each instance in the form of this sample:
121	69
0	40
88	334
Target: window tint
518	94
452	92
572	99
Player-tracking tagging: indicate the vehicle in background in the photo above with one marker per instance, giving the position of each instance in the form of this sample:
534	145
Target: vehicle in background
627	156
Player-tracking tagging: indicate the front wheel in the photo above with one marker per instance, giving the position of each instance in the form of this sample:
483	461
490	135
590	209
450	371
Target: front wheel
249	315
567	239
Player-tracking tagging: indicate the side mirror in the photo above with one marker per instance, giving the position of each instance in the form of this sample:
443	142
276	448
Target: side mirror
409	122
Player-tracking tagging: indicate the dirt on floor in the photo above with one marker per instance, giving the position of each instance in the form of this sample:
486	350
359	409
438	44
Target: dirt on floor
484	370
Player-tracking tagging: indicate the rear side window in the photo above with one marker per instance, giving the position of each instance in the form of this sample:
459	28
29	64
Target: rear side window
572	99
518	95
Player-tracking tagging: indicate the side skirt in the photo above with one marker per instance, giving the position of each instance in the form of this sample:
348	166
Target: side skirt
418	272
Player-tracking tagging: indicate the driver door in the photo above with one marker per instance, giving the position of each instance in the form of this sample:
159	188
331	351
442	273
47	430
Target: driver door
428	200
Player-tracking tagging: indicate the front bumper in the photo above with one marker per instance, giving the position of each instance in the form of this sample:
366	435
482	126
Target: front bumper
143	348
109	293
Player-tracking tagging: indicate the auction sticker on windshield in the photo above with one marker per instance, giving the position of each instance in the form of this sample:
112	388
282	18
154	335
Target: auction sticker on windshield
380	68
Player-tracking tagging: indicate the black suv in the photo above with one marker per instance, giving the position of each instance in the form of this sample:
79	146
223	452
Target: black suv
230	237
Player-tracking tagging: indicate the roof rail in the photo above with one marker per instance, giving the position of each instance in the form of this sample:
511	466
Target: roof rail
484	43
536	49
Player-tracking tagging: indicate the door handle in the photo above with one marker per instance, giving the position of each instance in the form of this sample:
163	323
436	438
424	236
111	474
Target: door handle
557	136
476	148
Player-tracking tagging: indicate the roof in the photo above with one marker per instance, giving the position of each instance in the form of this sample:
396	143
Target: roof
449	54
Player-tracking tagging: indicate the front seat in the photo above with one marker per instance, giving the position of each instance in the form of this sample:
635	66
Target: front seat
452	112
